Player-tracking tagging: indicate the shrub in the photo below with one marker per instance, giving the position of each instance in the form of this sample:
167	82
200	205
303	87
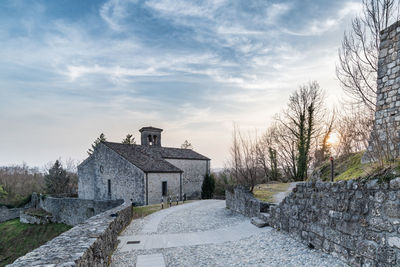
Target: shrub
208	187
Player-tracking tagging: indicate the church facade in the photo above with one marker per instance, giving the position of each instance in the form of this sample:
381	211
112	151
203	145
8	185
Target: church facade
142	173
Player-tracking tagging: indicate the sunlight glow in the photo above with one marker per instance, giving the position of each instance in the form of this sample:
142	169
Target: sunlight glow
333	139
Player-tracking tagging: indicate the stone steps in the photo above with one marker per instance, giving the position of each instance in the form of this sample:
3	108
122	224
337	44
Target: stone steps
262	220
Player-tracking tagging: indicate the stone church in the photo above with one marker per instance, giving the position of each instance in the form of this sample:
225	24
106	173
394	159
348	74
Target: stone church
142	173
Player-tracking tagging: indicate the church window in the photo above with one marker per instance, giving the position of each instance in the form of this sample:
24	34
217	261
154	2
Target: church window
109	187
164	188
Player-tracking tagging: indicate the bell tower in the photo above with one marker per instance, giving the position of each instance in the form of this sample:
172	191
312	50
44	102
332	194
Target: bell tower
151	136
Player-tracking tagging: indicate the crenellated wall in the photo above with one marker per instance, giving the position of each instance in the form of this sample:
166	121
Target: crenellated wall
356	221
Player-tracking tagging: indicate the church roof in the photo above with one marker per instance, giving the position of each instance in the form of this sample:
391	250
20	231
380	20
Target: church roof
152	159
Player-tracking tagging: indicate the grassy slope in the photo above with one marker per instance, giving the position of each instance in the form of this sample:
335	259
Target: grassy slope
350	167
266	192
345	168
17	239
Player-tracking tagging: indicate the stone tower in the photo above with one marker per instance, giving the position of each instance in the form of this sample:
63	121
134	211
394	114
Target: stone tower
150	136
386	130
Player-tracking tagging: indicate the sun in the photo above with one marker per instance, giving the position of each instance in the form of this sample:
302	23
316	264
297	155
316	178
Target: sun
333	139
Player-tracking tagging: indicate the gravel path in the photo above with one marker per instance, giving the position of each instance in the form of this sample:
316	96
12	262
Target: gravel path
264	248
212	214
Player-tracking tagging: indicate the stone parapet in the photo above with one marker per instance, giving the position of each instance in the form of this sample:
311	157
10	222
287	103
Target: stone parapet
356	221
242	201
87	244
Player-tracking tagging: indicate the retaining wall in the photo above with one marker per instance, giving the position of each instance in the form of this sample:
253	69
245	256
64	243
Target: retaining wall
73	211
356	221
9	214
242	201
87	244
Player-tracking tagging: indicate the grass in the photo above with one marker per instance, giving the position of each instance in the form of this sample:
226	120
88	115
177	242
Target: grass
266	192
349	167
17	238
143	211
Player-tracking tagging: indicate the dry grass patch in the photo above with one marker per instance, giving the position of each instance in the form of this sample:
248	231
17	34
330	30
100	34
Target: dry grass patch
266	192
143	211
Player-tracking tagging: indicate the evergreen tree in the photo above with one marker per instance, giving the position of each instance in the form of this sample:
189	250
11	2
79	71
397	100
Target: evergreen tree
98	140
187	145
208	187
129	140
57	180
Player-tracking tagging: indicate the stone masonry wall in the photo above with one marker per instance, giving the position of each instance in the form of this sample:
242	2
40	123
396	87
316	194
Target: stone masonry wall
73	211
356	221
243	202
155	186
193	175
9	214
387	115
126	180
87	244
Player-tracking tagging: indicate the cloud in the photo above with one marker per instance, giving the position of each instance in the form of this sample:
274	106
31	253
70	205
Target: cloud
192	67
114	11
320	26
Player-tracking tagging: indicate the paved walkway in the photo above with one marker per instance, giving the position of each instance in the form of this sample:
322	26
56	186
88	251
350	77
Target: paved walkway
205	233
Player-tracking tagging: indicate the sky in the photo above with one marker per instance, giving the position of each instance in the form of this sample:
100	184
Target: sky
72	69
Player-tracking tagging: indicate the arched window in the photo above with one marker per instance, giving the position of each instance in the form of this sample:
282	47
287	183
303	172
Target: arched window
150	138
155	139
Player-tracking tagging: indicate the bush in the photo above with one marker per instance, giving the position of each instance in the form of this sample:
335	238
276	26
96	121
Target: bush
208	187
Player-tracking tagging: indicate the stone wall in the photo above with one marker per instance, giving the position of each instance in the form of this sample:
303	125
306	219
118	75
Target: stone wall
155	186
9	214
126	180
243	202
88	244
13	213
193	175
356	221
73	211
387	115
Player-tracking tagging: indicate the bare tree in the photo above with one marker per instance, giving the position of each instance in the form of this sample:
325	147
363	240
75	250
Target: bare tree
244	167
354	127
301	119
267	154
358	56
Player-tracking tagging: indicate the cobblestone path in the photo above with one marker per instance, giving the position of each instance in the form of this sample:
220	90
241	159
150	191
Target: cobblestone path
205	233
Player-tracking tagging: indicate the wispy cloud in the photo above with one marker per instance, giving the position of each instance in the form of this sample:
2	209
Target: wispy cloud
192	67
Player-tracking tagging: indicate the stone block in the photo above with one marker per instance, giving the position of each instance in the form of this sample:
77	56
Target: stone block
379	224
395	183
258	222
392	209
386	255
394	241
367	248
373	184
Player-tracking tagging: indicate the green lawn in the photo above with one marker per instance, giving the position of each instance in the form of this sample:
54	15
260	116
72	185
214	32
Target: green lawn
266	192
17	239
143	211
